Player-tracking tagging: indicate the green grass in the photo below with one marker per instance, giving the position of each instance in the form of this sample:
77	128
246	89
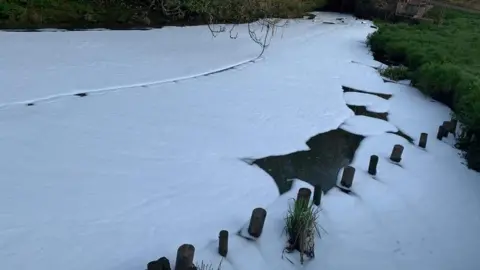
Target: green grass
207	266
301	216
443	61
395	73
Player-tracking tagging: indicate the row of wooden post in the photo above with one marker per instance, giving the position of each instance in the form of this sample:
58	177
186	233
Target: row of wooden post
186	252
396	156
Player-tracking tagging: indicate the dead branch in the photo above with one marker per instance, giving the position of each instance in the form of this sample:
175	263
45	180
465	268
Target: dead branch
231	30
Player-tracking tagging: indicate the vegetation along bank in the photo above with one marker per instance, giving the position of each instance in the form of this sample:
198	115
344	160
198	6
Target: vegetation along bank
442	58
127	14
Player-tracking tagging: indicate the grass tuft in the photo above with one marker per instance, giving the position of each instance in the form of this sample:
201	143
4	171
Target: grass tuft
396	73
207	266
204	266
301	216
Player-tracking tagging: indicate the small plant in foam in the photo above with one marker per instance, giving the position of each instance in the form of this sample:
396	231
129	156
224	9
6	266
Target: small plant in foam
301	223
207	266
395	73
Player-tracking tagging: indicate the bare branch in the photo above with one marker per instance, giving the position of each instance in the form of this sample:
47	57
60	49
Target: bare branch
211	24
258	16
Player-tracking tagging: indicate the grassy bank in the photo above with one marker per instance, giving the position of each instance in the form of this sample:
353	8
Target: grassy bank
443	61
70	14
471	4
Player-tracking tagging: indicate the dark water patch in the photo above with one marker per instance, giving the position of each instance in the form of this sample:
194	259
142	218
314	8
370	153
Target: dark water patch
403	135
329	152
347	89
335	144
360	63
362	110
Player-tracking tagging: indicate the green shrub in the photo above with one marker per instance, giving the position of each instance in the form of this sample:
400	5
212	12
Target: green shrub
443	62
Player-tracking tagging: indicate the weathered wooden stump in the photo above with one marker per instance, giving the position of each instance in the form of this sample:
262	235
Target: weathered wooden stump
317	194
257	221
303	195
160	264
441	132
347	176
450	126
372	165
423	140
397	152
185	254
223	243
447	126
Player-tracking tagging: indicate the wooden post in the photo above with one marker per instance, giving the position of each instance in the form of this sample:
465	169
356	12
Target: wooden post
347	176
450	126
446	126
397	152
223	243
303	198
185	254
441	132
372	166
257	221
317	194
423	140
304	194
